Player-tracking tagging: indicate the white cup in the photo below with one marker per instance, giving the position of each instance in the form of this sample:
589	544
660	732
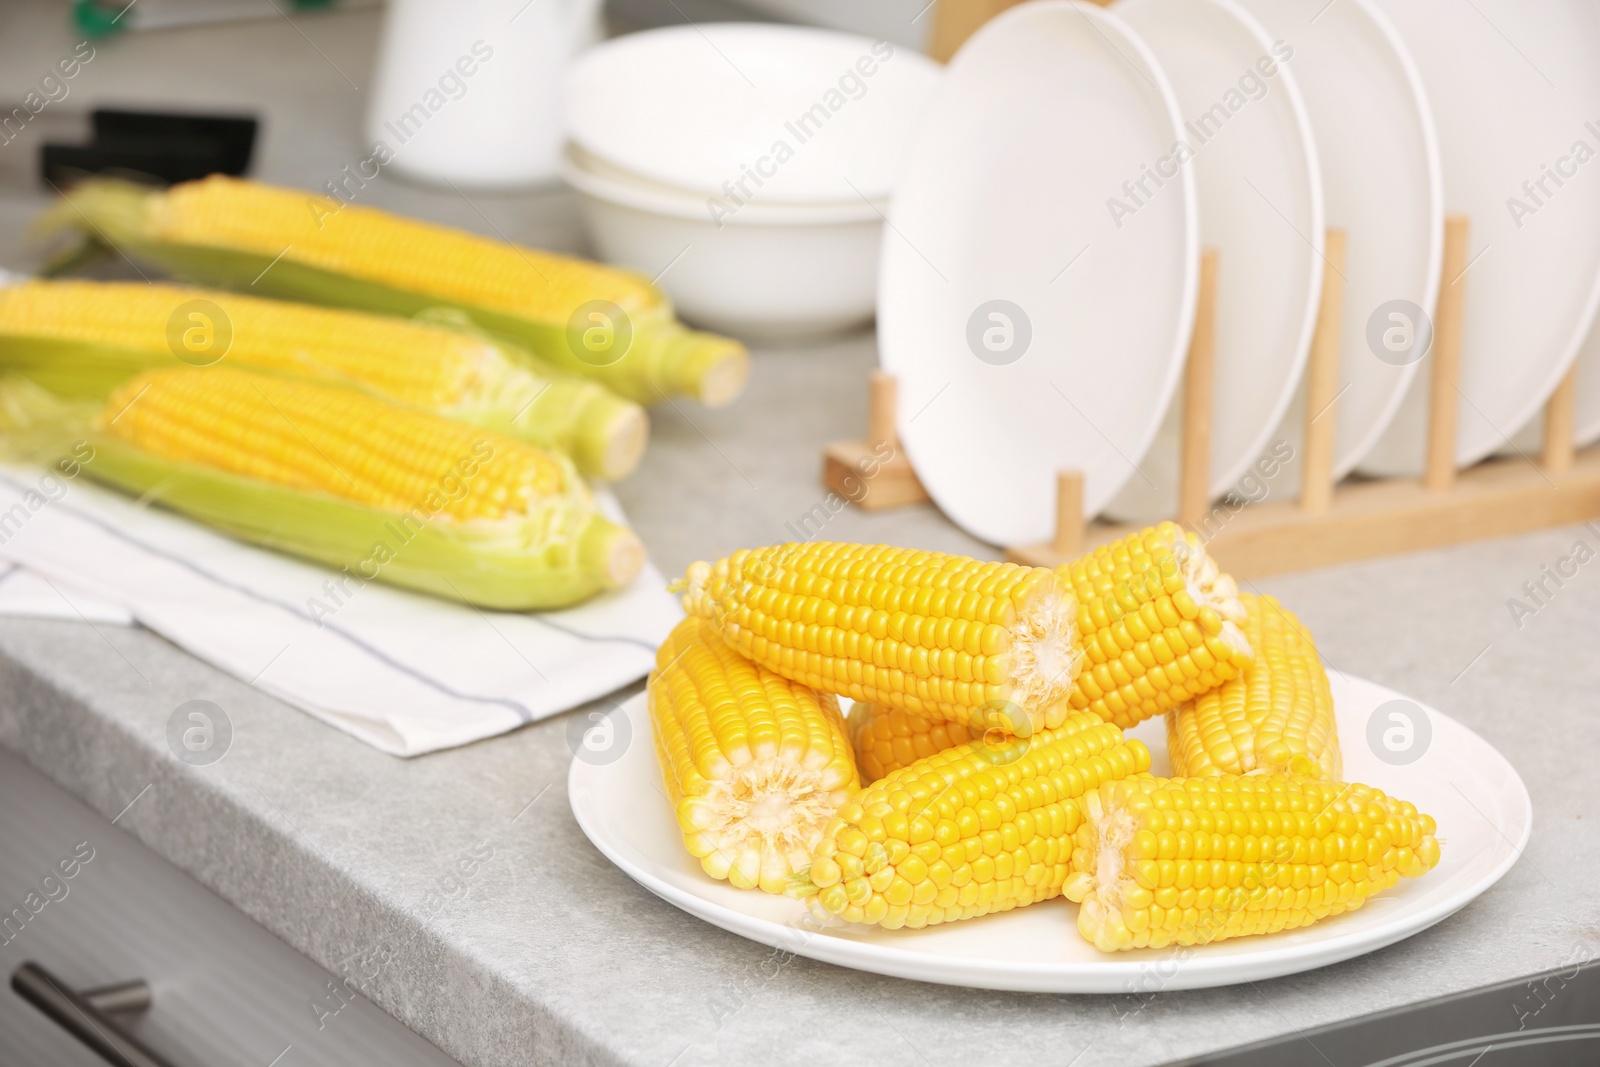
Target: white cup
468	91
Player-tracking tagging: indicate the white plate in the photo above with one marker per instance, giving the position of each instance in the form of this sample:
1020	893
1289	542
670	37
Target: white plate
780	113
1481	806
1513	85
1586	416
1029	333
1382	185
1259	190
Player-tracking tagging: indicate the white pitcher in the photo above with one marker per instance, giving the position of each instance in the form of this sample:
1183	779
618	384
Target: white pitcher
467	91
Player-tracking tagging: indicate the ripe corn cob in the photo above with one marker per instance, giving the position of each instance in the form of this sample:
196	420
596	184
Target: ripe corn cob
351	480
1186	861
288	243
1276	717
755	764
942	636
1159	624
81	338
887	739
987	826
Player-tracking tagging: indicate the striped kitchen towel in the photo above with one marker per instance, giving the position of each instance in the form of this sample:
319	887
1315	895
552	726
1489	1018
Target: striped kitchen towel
403	672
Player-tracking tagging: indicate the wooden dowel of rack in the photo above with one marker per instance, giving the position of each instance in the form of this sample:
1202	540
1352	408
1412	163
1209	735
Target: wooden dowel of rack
882	393
1444	403
1560	424
1322	382
873	472
1199	385
956	20
1069	514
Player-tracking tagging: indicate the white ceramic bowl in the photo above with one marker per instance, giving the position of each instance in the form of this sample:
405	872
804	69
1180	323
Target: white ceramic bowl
793	113
761	272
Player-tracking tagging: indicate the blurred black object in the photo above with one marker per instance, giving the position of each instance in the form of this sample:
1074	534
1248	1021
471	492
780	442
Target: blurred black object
167	147
1545	1020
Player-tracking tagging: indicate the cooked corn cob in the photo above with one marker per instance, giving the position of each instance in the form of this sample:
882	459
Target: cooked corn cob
755	764
1186	861
1159	624
986	826
947	637
887	739
1276	717
81	338
351	480
284	242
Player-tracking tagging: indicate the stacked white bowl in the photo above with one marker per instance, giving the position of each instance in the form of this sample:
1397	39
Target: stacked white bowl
745	166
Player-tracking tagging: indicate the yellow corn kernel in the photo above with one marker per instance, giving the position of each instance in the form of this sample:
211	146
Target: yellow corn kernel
598	321
1158	623
1276	717
940	636
451	372
983	827
887	739
400	252
333	441
755	764
1288	834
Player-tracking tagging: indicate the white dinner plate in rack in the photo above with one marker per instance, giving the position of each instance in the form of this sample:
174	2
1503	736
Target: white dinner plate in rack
1033	326
1515	90
1480	803
1259	192
1381	185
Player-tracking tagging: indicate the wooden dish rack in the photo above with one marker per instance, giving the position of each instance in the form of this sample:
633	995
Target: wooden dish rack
1328	524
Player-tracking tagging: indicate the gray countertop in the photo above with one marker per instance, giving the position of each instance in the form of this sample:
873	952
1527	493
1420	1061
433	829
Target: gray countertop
547	953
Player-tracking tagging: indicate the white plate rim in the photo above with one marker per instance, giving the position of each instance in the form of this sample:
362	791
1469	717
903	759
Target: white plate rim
1228	477
1344	465
1111	975
589	180
1588	319
1099	491
1395	50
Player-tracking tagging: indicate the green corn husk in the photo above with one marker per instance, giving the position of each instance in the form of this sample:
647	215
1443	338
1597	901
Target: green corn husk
516	394
663	359
554	560
561	554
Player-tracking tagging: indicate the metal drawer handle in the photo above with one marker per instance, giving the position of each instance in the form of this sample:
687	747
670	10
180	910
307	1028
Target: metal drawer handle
86	1015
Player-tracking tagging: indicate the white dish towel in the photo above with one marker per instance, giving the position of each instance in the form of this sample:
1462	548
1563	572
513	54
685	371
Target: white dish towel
403	672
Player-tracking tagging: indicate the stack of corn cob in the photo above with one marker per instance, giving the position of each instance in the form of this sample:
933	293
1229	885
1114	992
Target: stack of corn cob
984	765
428	424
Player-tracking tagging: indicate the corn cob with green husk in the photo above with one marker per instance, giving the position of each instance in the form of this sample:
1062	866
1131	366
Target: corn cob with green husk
584	317
350	480
80	339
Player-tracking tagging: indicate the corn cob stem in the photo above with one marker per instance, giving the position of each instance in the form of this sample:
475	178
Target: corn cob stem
241	235
987	826
936	635
1277	717
1187	861
755	764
